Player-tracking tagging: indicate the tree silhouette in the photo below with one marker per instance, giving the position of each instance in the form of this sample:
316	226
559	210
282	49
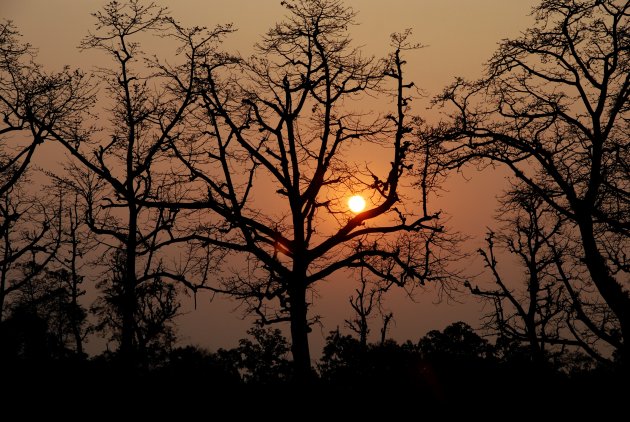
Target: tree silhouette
447	359
30	232
553	108
264	360
115	168
554	308
343	359
26	93
44	320
269	159
29	226
73	262
40	293
363	304
458	341
156	307
43	244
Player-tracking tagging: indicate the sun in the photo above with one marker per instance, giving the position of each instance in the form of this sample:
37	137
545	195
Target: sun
356	204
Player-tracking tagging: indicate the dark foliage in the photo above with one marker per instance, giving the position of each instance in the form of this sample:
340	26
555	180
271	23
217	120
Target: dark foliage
43	320
451	372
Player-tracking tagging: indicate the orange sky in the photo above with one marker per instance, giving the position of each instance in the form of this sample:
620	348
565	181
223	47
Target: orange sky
459	34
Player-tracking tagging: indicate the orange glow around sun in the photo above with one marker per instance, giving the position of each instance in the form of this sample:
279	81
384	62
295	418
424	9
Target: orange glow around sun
356	204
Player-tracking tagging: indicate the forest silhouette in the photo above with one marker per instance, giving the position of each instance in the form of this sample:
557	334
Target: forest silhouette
197	169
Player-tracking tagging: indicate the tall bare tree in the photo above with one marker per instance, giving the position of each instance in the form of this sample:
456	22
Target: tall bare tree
116	167
72	264
78	244
269	159
554	108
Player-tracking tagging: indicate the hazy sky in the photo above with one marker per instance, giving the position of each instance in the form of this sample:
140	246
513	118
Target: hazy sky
459	34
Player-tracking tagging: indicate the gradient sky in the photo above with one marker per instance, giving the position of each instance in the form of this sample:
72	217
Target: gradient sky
459	34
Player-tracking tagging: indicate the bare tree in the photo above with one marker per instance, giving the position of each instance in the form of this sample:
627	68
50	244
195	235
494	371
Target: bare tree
44	248
553	108
367	299
269	160
30	233
79	244
537	310
27	93
363	304
387	319
116	168
72	262
28	225
155	309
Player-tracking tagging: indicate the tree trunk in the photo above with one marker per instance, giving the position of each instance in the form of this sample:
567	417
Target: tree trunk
2	294
608	287
386	320
535	342
538	354
363	332
299	333
76	331
3	273
126	335
75	280
127	352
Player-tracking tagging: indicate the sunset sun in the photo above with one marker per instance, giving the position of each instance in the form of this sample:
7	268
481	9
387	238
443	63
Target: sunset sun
356	204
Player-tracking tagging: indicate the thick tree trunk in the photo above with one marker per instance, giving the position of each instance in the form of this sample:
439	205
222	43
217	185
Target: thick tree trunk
299	333
612	292
538	354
